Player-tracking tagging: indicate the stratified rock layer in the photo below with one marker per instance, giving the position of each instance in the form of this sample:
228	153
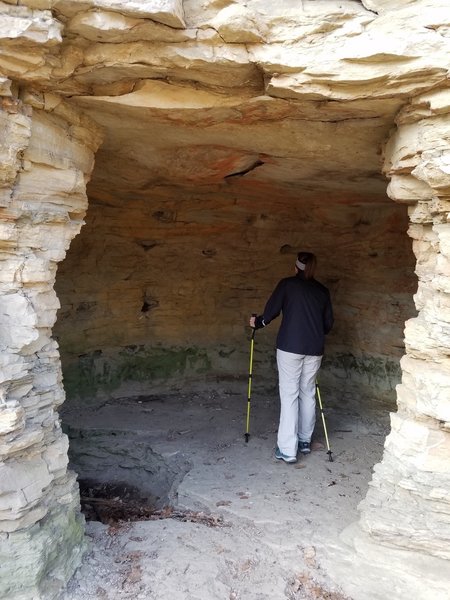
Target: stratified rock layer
45	164
414	471
157	291
404	525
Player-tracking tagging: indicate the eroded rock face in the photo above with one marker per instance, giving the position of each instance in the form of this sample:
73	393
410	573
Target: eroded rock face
234	134
46	162
403	525
415	451
157	291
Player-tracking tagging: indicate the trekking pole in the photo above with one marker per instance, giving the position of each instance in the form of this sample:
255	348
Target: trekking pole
330	458
249	393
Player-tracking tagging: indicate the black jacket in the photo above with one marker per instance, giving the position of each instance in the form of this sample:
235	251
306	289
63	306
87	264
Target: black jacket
307	315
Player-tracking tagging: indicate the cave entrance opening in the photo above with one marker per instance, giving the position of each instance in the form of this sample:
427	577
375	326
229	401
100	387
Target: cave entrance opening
155	295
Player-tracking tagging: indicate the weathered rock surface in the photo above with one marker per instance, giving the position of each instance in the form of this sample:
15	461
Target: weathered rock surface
234	133
414	471
43	203
157	324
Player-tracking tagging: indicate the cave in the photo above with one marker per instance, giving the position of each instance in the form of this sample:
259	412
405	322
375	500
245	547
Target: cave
162	165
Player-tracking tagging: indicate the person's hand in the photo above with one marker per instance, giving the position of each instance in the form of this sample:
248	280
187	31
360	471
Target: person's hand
252	321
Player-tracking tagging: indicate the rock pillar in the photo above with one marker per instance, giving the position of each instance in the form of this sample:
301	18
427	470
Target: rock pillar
408	501
45	161
403	538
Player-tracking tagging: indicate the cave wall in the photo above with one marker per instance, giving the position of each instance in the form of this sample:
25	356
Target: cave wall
414	471
45	162
403	527
156	291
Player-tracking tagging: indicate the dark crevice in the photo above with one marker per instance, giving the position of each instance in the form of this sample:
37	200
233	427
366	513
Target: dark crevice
368	9
147	244
255	165
149	304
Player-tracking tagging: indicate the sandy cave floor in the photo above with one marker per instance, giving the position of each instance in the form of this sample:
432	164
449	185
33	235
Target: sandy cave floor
258	526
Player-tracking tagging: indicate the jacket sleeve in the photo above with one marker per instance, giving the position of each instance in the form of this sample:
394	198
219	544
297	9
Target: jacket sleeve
272	308
274	304
328	318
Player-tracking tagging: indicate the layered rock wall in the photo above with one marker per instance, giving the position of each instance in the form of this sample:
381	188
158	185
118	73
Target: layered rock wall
403	529
156	291
408	500
46	161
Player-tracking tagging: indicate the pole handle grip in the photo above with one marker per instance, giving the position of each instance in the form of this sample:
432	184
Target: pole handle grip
253	328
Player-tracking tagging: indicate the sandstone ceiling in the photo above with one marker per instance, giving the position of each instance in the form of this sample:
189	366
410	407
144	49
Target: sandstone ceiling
263	97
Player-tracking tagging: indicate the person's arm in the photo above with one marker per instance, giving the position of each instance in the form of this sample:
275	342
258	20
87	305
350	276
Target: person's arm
272	308
328	318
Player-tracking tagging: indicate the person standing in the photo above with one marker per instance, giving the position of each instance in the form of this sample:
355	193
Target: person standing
307	316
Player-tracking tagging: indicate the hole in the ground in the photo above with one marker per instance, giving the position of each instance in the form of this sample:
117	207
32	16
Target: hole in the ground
114	502
121	477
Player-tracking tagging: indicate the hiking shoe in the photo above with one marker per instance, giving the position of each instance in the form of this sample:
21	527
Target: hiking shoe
304	447
280	456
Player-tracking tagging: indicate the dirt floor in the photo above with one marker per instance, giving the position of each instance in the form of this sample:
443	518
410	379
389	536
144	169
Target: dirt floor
241	525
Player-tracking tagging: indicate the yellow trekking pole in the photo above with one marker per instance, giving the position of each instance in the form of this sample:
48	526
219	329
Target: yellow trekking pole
249	393
330	458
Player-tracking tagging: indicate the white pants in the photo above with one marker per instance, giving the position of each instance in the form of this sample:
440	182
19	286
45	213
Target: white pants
297	384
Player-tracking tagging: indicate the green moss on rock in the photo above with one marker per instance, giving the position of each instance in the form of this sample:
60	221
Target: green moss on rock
379	372
107	371
38	561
